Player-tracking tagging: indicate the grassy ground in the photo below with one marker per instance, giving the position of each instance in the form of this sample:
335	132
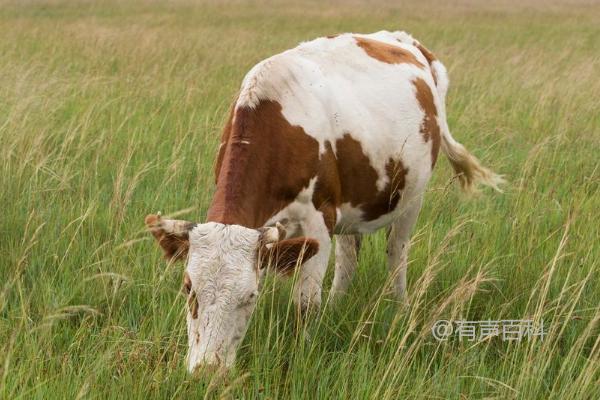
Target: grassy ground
110	111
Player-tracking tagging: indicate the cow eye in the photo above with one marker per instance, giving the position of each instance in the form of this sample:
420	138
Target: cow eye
187	284
248	299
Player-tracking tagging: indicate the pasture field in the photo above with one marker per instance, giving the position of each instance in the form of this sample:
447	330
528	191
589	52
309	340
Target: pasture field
110	110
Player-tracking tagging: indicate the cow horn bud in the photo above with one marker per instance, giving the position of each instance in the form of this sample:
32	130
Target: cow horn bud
272	234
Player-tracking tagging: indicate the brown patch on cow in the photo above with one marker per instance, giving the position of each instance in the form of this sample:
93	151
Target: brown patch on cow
429	56
347	176
387	53
285	255
332	36
266	162
193	305
174	245
429	127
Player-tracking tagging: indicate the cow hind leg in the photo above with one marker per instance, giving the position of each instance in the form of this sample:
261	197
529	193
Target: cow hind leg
398	245
346	262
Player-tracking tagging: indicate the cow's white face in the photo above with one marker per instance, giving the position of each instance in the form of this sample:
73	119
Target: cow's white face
223	275
222	278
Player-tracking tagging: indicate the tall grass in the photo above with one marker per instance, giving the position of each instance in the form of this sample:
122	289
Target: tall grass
111	110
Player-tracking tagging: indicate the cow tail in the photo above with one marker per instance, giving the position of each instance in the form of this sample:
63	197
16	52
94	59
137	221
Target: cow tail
469	170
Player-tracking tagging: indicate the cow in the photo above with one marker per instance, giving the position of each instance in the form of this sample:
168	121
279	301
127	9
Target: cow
337	136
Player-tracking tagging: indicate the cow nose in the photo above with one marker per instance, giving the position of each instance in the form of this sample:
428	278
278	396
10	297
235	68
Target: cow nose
208	370
208	365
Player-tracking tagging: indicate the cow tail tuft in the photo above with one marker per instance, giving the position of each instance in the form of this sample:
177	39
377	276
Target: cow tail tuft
469	170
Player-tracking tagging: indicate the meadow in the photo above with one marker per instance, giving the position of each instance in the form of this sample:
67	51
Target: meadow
112	110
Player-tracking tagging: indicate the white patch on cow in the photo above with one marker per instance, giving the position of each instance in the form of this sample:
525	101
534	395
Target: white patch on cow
398	244
307	292
346	262
442	80
332	87
352	220
349	219
222	269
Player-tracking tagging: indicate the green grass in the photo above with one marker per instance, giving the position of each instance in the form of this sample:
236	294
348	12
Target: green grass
110	111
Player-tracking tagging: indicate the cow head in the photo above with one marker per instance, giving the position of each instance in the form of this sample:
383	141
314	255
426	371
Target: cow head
225	264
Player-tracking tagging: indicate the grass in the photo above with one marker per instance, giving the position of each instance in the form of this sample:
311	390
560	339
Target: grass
112	110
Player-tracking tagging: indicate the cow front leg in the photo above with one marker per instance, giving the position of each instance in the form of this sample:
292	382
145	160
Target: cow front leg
307	291
398	246
346	262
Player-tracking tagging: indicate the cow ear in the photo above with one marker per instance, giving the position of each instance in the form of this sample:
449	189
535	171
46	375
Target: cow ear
172	235
285	255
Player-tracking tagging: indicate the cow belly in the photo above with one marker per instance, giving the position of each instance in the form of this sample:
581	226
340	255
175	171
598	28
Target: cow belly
358	218
351	220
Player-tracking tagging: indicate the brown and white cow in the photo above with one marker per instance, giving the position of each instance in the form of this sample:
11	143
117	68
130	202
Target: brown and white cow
337	136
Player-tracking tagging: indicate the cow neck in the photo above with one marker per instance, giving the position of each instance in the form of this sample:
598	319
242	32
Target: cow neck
237	199
263	164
